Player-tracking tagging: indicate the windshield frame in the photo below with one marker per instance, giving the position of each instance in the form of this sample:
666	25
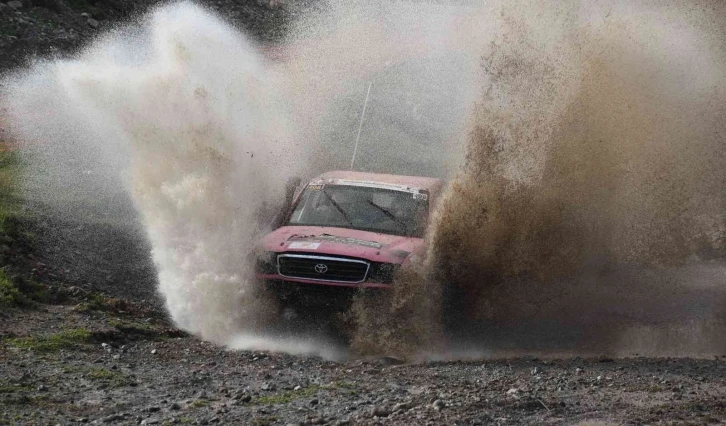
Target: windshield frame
412	191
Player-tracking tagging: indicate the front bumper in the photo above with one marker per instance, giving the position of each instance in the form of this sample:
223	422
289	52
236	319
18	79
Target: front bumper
365	284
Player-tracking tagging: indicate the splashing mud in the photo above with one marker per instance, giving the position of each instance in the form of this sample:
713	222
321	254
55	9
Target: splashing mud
589	214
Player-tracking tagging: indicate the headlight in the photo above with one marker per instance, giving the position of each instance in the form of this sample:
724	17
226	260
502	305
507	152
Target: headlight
382	272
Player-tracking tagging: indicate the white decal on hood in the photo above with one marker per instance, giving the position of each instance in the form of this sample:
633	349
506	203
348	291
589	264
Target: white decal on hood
348	240
307	245
335	239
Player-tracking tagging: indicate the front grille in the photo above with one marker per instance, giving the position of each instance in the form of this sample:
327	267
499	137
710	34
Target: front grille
322	268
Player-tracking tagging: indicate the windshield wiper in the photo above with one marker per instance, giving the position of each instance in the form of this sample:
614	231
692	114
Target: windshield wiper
342	212
387	213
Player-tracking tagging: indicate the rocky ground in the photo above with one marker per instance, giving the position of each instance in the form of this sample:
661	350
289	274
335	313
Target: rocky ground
105	361
83	338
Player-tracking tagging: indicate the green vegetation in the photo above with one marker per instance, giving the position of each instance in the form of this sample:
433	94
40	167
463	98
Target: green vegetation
19	292
348	388
111	377
199	403
15	291
10	203
27	400
264	420
9	294
10	388
287	396
131	327
344	385
102	374
68	339
141	329
99	302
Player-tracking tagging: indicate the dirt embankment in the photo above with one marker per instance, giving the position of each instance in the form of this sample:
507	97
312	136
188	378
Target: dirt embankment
31	28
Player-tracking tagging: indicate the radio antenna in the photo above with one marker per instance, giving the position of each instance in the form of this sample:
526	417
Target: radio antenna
360	125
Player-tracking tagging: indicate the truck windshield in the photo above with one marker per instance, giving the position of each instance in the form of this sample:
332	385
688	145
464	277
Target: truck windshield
364	208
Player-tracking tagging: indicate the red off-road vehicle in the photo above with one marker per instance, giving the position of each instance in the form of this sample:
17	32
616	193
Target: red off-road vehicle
346	230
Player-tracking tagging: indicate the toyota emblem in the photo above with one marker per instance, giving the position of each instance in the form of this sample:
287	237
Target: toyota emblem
321	268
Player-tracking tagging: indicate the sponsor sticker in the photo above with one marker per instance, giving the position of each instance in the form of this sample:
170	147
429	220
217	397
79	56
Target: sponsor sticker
305	245
343	240
315	187
420	196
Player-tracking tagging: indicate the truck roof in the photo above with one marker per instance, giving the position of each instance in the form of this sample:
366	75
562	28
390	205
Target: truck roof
418	182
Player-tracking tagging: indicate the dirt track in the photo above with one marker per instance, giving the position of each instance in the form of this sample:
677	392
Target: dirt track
131	368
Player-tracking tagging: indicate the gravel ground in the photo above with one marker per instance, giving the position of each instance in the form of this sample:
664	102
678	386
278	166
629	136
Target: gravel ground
116	363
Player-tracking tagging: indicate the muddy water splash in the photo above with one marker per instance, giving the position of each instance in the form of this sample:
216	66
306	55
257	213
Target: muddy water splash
596	208
588	215
181	111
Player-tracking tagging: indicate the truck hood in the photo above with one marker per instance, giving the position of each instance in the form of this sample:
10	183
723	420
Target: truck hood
324	240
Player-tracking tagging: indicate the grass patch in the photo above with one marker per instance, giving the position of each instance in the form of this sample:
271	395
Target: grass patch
101	303
199	403
69	339
10	203
8	388
15	236
9	294
142	330
15	221
264	420
347	388
19	292
8	31
287	396
35	401
131	326
104	375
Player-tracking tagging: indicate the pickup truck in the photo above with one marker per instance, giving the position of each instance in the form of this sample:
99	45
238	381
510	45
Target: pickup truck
345	231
